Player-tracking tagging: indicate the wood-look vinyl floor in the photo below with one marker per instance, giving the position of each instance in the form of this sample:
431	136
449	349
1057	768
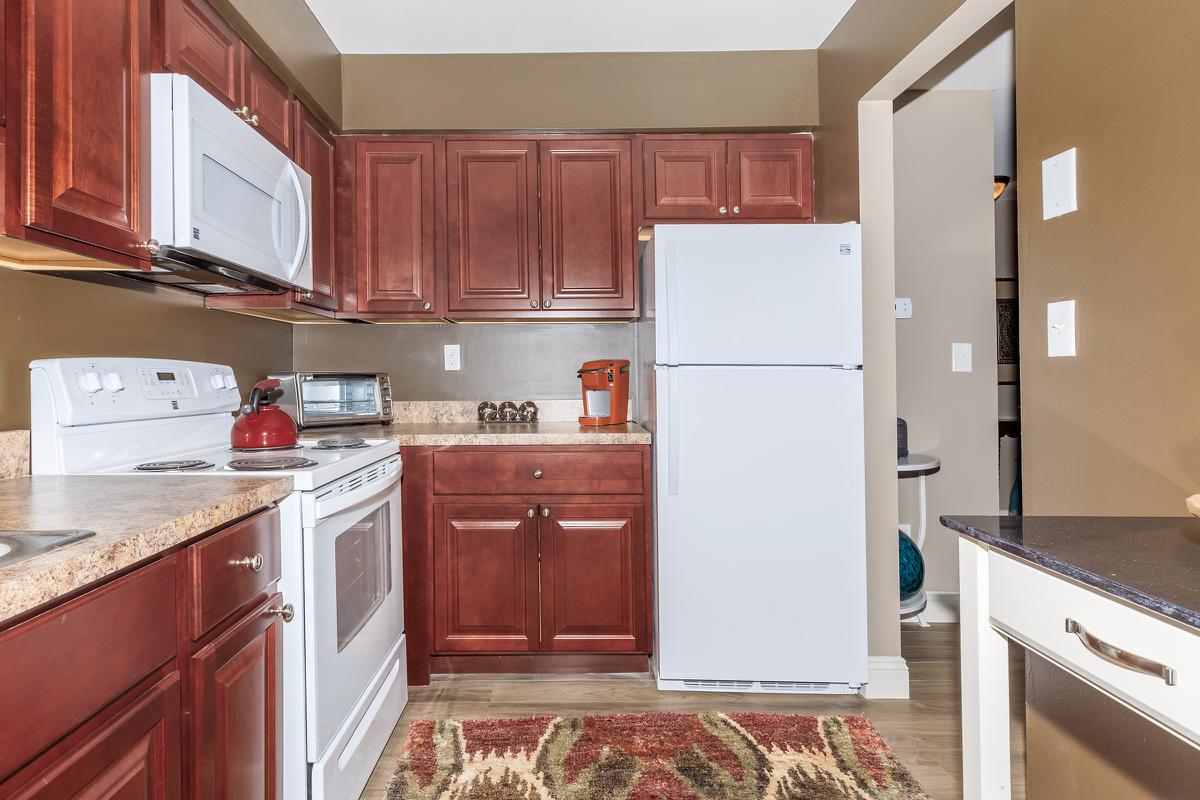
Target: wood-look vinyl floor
923	730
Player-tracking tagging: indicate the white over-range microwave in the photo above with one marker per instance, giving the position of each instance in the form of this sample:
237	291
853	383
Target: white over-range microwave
230	213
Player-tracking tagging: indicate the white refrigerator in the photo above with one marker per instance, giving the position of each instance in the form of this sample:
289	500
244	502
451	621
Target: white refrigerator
756	403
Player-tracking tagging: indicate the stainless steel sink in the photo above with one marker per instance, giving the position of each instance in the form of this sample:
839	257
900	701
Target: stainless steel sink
20	545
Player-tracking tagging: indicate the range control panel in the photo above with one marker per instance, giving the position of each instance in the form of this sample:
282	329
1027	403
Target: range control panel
93	391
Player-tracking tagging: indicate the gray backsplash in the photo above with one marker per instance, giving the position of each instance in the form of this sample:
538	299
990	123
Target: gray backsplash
499	361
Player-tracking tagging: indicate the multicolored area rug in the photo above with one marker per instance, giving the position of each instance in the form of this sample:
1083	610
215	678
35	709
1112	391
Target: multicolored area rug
651	757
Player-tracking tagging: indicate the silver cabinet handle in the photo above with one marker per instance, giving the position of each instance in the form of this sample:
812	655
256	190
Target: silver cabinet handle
308	295
546	303
537	473
1122	658
545	511
529	513
151	246
723	210
243	112
533	303
427	306
287	611
254	562
737	209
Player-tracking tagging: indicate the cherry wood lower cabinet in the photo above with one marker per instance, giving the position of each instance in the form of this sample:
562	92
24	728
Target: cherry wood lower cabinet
100	695
527	558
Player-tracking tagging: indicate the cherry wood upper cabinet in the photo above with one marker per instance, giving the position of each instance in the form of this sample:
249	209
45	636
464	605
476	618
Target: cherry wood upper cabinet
267	101
771	177
715	178
593	578
237	711
492	226
135	755
393	233
587	226
485	583
683	178
199	43
314	152
86	121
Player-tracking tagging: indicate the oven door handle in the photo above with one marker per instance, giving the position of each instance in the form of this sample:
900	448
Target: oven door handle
372	494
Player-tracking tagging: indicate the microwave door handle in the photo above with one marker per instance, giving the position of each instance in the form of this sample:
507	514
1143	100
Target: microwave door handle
302	238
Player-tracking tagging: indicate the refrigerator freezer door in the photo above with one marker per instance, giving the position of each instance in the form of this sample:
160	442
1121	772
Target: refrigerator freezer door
758	294
761	534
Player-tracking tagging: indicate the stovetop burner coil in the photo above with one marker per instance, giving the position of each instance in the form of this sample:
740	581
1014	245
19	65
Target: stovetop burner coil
270	463
182	465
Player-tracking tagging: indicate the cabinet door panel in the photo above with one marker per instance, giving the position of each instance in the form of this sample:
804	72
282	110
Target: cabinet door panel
771	177
394	226
268	98
683	178
492	221
201	45
314	152
87	121
236	710
136	756
587	225
593	578
485	579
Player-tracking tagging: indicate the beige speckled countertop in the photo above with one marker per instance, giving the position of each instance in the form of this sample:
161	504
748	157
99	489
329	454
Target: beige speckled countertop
134	519
436	434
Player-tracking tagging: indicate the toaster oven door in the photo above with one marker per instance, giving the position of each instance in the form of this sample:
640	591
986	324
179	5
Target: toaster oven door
331	399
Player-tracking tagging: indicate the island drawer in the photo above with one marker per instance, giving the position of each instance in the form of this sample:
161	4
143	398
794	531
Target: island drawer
230	569
604	471
1055	617
63	666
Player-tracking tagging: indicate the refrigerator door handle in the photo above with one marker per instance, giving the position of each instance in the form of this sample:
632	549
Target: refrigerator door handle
672	431
672	275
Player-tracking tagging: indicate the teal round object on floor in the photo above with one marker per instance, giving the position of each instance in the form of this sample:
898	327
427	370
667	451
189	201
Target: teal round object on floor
912	567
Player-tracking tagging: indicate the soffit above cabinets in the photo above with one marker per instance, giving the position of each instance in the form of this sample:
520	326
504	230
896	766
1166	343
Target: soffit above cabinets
555	26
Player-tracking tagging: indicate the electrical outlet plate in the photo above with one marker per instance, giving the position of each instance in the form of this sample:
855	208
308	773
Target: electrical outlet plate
960	357
1058	185
453	357
903	308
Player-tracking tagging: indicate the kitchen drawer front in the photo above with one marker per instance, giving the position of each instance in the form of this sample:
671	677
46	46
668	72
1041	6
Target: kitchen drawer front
231	569
538	473
61	667
1034	607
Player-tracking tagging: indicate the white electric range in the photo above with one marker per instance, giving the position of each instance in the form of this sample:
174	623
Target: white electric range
345	682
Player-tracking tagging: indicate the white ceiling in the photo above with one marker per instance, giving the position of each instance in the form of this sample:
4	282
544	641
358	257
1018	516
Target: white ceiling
572	26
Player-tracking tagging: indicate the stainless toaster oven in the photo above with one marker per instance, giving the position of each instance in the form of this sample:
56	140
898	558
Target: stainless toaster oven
316	399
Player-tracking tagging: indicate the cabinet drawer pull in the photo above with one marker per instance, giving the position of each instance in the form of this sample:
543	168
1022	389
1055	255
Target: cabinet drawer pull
254	562
287	611
545	511
1122	658
533	303
723	210
529	513
427	306
537	473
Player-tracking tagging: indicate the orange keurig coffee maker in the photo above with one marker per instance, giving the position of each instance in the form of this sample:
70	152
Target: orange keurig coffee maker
605	392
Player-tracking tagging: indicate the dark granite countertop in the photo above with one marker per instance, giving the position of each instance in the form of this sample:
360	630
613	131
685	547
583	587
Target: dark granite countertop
1152	562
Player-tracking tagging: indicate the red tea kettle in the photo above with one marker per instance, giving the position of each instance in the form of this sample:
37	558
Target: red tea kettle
264	425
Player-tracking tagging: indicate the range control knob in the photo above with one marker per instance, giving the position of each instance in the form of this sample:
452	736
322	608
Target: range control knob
230	381
90	382
113	382
216	381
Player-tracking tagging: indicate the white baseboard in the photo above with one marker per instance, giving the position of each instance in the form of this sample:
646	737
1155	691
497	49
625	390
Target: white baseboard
887	678
941	607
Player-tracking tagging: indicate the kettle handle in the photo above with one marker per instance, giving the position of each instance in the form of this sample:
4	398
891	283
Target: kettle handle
265	392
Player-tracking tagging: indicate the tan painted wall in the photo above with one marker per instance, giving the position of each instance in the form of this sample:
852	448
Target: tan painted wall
289	38
43	316
872	37
1112	431
945	262
615	91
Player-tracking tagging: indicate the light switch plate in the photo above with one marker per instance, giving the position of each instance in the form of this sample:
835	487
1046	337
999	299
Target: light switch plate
1060	329
960	357
1058	185
453	357
903	308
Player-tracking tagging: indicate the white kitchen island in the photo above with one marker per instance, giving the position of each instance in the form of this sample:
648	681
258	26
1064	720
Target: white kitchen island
1113	601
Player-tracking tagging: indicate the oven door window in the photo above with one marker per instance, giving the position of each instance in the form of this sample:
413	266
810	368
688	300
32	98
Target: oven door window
362	561
333	396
